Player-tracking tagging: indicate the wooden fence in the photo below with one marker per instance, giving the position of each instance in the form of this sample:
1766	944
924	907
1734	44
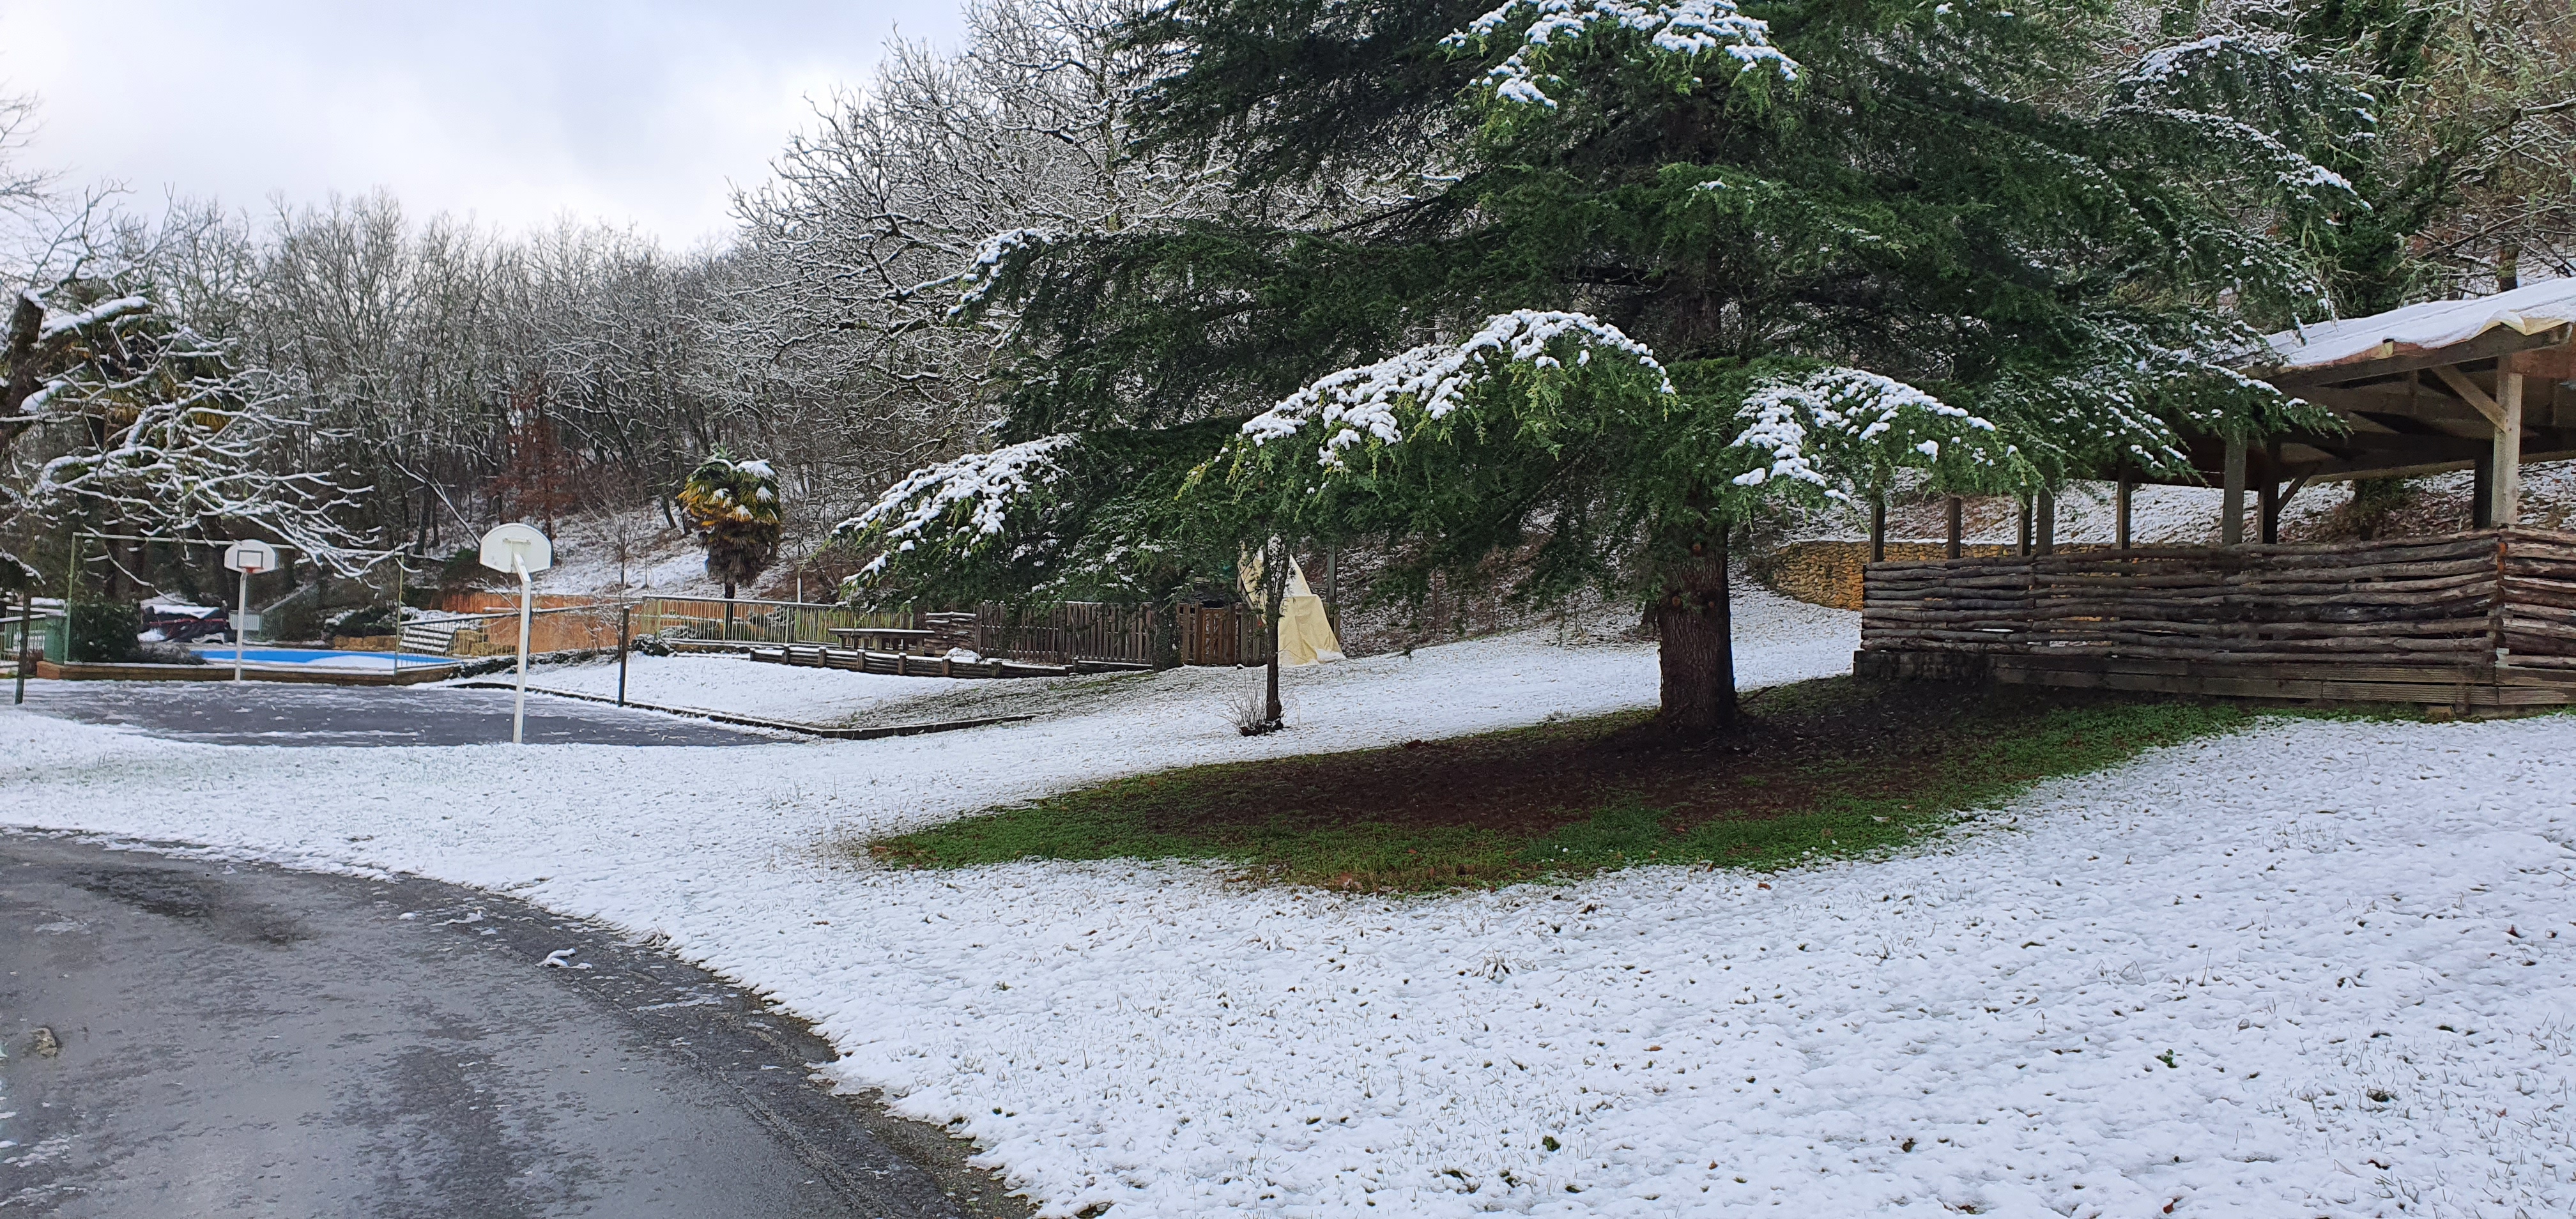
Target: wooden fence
1062	634
2495	598
1067	633
565	623
1224	635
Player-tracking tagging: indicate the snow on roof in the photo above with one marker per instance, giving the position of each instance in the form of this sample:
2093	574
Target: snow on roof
2431	326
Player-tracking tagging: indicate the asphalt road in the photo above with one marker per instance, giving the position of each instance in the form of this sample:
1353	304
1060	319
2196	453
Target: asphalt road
198	1038
279	713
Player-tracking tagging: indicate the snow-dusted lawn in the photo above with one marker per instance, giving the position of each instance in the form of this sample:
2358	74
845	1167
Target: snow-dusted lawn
2293	913
1446	690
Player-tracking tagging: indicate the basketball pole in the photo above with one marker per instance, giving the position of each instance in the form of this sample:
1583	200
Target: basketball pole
241	623
519	703
26	628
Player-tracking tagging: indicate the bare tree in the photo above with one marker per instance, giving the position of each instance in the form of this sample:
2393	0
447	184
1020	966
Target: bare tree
836	316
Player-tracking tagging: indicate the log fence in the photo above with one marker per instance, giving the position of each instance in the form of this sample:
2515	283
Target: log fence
2492	602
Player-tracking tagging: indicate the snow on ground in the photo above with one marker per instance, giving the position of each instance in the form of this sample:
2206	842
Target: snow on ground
629	551
2319	968
740	686
1448	689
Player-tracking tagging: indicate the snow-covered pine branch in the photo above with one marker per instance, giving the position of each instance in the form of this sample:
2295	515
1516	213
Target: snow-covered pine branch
1843	433
1686	41
993	260
1376	405
2132	405
2243	103
956	510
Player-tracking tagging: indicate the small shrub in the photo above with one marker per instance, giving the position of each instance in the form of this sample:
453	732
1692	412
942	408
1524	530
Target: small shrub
374	620
298	616
1249	710
463	569
103	632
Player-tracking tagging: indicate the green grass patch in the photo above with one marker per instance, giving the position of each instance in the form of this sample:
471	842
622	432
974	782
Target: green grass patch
1819	770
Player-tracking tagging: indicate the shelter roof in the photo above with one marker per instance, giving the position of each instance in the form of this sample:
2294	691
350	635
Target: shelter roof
2419	330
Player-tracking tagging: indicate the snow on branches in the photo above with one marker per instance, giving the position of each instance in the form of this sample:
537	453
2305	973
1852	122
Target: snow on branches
984	272
1685	37
2241	101
57	323
958	506
166	436
2130	406
1845	433
1353	405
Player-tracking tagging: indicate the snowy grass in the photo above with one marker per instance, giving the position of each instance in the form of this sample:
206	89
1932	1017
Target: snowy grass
1842	802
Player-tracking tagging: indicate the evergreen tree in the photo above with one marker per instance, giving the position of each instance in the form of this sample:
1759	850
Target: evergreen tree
1644	263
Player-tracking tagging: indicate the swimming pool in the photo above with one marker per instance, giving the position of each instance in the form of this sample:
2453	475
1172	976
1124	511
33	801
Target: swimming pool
222	654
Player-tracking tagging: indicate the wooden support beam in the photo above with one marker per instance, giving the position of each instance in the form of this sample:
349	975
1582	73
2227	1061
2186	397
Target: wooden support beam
2231	526
1878	529
2508	449
1951	550
2470	393
2121	510
2047	543
2024	548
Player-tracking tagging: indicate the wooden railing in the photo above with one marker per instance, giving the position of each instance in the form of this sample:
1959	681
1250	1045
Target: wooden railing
1067	632
1064	633
2477	599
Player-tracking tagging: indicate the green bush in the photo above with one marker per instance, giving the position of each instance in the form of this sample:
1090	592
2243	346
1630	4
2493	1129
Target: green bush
298	616
103	632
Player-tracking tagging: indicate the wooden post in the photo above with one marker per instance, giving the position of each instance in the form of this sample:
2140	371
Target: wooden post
2508	450
625	631
1957	529
2047	523
26	631
2122	502
2025	527
2267	510
2482	493
2231	526
1333	587
1878	529
71	593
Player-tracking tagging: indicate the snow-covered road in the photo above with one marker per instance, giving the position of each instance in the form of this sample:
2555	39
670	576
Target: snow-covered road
2319	968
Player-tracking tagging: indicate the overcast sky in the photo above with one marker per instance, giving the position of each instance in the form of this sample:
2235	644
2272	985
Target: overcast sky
517	112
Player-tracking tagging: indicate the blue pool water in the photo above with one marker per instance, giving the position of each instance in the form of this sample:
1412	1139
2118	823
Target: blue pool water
218	653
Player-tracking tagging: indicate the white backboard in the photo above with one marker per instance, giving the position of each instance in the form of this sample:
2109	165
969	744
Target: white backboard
250	557
521	542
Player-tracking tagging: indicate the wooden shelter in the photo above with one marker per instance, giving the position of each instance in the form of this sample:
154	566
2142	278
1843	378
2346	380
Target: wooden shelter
2479	621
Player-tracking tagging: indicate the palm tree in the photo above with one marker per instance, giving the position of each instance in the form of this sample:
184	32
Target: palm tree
733	507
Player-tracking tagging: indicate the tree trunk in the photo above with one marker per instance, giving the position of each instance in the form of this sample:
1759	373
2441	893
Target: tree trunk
1697	656
1274	590
1277	713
